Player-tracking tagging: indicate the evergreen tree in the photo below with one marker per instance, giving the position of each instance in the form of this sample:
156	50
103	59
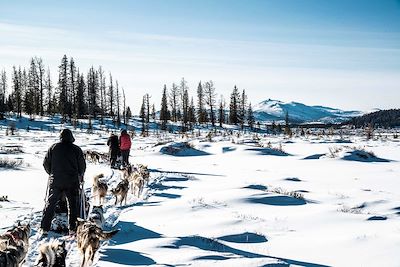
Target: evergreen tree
221	112
111	97
49	92
102	85
209	92
192	114
92	89
142	116
201	111
234	106
128	114
41	82
288	131
242	109
153	113
72	84
164	114
63	87
250	117
124	101
3	93
118	103
80	97
173	98
184	103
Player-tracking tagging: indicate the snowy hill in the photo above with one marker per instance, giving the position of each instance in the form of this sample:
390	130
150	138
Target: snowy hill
275	110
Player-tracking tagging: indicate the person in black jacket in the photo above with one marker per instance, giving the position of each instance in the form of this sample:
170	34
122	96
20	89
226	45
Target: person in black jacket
114	151
66	165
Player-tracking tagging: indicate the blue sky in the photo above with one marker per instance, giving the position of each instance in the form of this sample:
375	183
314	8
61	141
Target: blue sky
337	53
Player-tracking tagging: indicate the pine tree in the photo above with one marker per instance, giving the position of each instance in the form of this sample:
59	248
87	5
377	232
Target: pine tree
3	93
201	112
41	82
111	97
80	97
128	114
143	115
72	84
124	101
63	87
209	92
49	92
192	114
242	109
234	106
288	131
118	104
102	88
153	113
250	117
221	111
164	114
173	98
93	89
31	95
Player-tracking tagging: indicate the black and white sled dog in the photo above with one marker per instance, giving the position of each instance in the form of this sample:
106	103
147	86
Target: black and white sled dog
96	216
52	254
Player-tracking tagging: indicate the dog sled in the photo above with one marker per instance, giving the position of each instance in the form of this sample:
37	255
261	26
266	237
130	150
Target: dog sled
59	223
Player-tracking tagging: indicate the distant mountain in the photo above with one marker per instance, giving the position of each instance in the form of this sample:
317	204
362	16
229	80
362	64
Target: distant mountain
385	118
275	110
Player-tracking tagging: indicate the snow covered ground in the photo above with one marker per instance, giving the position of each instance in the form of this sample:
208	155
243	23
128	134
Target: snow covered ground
234	201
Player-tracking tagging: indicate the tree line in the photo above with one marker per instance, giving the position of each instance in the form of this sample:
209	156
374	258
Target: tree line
177	106
76	95
95	95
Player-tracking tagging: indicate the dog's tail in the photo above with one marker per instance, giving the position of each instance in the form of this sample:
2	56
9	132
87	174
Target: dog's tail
108	234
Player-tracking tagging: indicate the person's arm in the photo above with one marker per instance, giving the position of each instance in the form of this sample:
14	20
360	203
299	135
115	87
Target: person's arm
81	164
47	161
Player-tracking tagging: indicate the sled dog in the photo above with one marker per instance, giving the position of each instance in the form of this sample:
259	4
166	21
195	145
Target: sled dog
88	240
14	245
96	216
99	188
121	191
52	254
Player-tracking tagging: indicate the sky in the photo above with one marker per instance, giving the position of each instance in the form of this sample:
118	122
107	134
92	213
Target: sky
338	53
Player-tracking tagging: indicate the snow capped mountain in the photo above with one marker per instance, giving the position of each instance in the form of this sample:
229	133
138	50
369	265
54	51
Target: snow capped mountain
275	110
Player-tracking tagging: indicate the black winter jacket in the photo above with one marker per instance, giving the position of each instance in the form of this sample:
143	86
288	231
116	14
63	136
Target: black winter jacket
64	162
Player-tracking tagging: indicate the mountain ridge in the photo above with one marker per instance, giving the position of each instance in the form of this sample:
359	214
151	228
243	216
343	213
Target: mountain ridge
275	110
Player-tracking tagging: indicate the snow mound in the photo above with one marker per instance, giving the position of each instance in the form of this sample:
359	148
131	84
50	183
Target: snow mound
182	149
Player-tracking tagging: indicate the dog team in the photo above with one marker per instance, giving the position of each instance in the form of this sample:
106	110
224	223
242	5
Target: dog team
14	243
65	164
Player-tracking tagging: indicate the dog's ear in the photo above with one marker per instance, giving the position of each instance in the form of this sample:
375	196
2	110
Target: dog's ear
108	235
62	244
79	221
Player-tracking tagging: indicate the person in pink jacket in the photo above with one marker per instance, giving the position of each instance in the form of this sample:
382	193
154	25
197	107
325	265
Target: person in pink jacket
125	147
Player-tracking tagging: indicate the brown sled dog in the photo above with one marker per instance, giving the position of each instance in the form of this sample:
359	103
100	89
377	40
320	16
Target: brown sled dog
14	245
52	254
121	191
88	239
99	188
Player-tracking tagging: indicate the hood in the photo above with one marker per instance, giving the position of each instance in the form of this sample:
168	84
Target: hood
66	136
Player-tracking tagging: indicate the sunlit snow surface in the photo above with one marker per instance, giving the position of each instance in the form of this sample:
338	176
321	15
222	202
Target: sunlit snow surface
234	201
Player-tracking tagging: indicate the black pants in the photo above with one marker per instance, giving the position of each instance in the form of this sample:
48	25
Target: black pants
125	157
114	153
55	193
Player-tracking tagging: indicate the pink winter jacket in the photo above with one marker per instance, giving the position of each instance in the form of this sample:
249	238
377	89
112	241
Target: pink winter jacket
125	142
